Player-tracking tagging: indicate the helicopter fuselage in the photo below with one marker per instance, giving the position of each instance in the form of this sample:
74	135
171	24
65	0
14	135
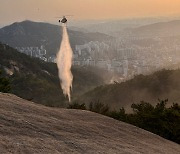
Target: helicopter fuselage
64	20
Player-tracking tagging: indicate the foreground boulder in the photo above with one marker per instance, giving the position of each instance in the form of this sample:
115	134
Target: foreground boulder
26	127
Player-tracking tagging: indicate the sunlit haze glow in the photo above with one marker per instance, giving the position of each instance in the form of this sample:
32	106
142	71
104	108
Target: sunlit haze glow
46	10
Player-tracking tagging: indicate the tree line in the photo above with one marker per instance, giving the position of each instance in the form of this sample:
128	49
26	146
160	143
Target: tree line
159	119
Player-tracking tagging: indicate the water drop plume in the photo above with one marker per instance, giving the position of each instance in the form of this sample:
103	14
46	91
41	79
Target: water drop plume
64	62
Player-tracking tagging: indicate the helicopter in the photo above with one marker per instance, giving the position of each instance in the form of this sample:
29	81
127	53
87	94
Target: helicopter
63	20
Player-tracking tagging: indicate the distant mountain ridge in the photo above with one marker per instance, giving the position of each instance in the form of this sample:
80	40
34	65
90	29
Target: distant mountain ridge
170	28
164	84
29	33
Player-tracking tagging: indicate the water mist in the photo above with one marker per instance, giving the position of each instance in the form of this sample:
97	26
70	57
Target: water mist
64	62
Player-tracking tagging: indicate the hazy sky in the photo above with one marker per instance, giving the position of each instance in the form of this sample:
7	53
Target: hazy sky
46	10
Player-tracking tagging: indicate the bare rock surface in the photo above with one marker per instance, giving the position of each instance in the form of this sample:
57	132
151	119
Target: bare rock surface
26	127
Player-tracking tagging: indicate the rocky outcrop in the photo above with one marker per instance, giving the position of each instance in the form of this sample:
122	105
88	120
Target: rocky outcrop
26	127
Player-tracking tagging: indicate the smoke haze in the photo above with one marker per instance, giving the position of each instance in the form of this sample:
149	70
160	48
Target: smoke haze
64	62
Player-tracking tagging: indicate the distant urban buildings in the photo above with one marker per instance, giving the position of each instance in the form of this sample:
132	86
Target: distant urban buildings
127	57
37	52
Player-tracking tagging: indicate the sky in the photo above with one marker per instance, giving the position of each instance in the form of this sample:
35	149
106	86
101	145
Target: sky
46	10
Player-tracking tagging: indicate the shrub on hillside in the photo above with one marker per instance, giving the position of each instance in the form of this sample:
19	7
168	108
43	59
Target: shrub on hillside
4	84
75	105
